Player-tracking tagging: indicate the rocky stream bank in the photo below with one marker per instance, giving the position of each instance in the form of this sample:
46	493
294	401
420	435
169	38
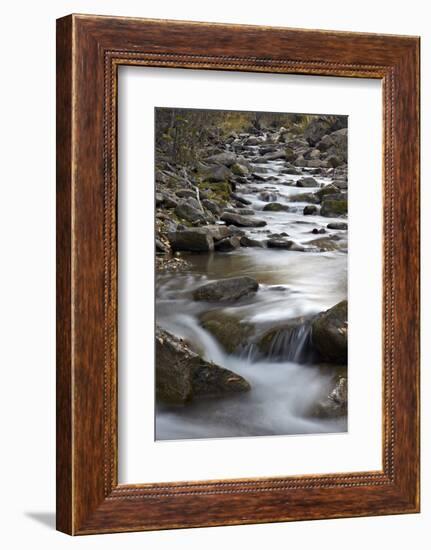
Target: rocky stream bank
251	244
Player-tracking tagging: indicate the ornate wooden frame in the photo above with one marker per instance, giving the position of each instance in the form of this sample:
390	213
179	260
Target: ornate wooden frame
89	51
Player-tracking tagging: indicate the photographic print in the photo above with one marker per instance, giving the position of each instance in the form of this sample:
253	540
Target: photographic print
251	248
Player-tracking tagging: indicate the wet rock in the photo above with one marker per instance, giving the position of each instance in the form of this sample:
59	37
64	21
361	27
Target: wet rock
310	209
191	240
285	244
308	181
326	190
338	225
234	230
305	197
333	208
228	330
181	374
318	231
228	244
226	290
329	333
276	207
242	221
249	242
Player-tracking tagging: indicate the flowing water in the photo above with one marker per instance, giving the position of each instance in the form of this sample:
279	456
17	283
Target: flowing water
286	382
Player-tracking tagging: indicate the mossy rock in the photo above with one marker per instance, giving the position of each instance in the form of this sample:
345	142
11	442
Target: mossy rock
276	207
334	208
218	191
231	333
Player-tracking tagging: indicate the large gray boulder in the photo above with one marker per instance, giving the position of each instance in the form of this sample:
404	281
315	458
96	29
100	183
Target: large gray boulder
226	290
191	240
189	210
181	374
329	333
242	221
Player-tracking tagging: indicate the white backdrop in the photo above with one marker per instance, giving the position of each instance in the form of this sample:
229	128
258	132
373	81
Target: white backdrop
141	458
27	214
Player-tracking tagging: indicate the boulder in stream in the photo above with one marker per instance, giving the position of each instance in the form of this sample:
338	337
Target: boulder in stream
181	374
228	244
249	242
242	221
329	333
332	208
310	209
285	244
338	225
276	207
308	181
226	290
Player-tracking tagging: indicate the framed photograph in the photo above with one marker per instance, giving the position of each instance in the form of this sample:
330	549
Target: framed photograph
237	274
